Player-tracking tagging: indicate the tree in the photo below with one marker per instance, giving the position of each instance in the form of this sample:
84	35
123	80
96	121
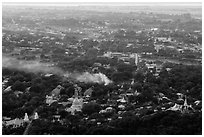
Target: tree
20	86
137	86
125	68
99	91
37	88
150	77
35	101
68	91
121	76
139	76
6	71
91	108
17	77
92	53
36	80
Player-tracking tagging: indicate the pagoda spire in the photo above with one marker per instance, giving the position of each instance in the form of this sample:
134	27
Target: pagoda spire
36	115
185	102
26	117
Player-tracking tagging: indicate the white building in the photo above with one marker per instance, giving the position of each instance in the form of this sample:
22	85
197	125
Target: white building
50	100
17	122
77	102
76	106
26	117
36	115
136	59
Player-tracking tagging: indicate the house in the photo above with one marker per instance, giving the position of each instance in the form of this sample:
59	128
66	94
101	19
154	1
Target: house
48	74
88	92
136	93
197	102
64	103
102	111
163	39
5	81
176	107
50	100
180	95
56	92
122	107
158	47
180	50
8	89
109	109
122	100
17	93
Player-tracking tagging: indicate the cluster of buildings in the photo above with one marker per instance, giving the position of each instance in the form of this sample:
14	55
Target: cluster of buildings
117	103
15	123
183	108
76	100
125	57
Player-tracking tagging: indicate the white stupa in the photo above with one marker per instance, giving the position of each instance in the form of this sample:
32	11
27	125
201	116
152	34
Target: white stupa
36	115
26	119
77	102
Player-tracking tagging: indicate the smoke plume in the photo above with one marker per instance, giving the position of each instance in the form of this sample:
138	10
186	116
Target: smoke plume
36	67
93	78
29	66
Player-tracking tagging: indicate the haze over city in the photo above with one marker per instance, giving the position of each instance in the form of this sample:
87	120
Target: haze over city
102	68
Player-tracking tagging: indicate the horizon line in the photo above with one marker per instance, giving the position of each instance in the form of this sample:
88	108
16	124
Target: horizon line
104	3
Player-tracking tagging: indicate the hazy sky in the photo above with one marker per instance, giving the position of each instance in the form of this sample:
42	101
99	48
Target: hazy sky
106	3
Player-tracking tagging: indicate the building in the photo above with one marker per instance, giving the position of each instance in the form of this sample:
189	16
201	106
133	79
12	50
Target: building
56	118
17	122
76	106
136	59
158	47
77	102
50	100
36	115
185	108
163	39
121	107
77	90
26	117
122	100
8	89
88	92
55	92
